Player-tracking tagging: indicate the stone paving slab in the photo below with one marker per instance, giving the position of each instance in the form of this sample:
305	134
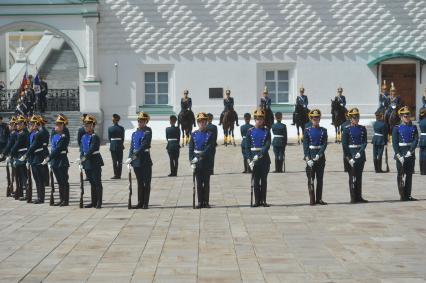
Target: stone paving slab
382	241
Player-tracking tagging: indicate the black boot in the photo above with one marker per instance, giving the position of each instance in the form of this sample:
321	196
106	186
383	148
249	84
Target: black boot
379	165
311	197
423	167
245	165
319	196
276	166
66	196
376	168
283	165
99	193
359	191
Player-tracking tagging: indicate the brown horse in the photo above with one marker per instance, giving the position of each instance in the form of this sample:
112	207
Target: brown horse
301	118
339	117
391	120
228	127
186	121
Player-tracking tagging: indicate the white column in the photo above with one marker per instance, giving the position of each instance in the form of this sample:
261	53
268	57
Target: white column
91	48
4	58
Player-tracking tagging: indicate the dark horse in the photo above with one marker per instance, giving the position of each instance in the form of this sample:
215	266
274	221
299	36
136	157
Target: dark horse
269	118
186	121
339	117
300	119
391	120
228	127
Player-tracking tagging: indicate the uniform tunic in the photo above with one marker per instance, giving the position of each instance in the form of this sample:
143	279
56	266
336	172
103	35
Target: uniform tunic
380	139
173	148
116	139
243	129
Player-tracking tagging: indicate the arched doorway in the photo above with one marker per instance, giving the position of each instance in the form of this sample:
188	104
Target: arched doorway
405	71
53	56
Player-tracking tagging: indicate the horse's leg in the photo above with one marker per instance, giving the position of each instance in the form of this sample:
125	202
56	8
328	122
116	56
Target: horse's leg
337	134
233	138
183	137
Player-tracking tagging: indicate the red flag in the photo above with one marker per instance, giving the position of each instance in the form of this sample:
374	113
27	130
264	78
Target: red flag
24	83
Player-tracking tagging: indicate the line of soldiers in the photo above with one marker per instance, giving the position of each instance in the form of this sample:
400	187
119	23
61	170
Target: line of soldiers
27	151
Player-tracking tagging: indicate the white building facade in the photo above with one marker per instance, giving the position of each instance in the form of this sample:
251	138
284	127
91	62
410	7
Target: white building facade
140	55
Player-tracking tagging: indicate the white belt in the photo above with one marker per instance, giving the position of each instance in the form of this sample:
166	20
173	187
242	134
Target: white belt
198	151
404	144
278	136
423	134
95	152
256	148
146	150
116	139
44	144
354	146
377	134
22	149
172	139
314	147
38	149
64	152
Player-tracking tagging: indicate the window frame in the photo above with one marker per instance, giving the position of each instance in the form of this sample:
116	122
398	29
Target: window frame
276	81
156	83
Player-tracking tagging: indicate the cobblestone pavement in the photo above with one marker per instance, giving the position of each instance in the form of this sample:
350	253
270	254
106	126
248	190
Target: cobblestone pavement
382	241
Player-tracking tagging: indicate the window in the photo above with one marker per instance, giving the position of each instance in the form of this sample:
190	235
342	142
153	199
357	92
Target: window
156	87
277	82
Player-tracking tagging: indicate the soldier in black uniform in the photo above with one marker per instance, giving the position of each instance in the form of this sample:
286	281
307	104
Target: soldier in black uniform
201	148
19	149
405	138
354	142
4	134
5	153
173	146
213	129
279	142
91	160
46	140
380	140
258	141
36	155
228	103
345	125
59	161
116	139
81	130
314	146
140	159
243	129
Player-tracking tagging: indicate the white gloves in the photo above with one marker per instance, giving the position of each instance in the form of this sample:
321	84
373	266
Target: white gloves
357	155
8	159
28	165
255	158
80	167
352	162
310	163
1	155
251	164
78	161
408	154
45	161
194	160
129	166
401	159
83	159
128	160
316	157
23	157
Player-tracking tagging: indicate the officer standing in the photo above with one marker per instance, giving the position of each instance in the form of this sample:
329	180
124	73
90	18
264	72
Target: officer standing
228	103
173	146
19	149
380	140
4	134
116	139
345	125
265	105
46	139
213	129
405	137
258	141
91	160
201	148
302	101
243	129
140	159
314	145
422	144
394	101
36	155
58	160
5	153
279	142
354	142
